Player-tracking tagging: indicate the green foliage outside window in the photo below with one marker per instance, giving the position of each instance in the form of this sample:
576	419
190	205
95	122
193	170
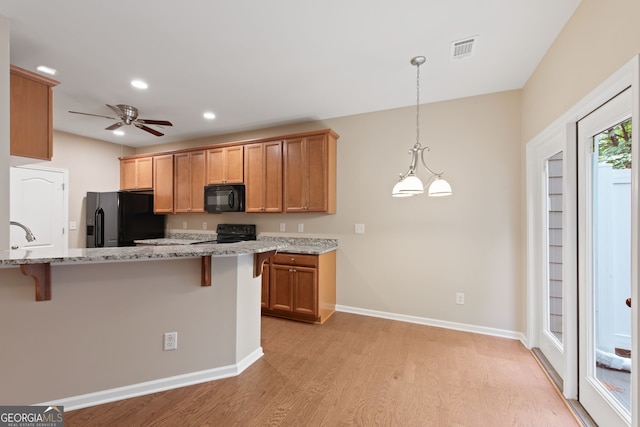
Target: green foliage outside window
614	146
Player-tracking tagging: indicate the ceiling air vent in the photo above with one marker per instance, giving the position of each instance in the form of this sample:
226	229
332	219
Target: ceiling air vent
462	48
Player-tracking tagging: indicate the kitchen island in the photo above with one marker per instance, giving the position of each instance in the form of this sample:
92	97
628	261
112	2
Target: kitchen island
100	337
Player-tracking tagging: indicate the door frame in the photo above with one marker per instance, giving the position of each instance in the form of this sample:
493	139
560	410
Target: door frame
565	128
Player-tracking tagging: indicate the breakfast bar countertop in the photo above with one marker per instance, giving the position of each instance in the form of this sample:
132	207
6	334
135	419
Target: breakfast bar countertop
16	257
298	245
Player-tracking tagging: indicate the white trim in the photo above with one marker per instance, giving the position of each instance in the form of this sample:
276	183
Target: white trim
154	386
502	333
626	76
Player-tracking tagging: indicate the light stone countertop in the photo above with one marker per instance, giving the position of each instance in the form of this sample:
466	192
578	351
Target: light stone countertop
298	245
10	258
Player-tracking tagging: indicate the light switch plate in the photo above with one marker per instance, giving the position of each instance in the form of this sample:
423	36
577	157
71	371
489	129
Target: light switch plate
300	228
359	229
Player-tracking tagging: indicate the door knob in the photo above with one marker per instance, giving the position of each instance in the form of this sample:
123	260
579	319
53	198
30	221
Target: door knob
15	247
629	302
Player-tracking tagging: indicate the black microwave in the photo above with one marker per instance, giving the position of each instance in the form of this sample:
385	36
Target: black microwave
220	198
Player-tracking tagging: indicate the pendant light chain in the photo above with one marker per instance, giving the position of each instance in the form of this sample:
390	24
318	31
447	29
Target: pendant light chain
410	184
418	104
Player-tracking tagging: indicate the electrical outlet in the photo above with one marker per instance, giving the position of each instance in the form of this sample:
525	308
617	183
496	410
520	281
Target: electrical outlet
170	341
204	225
184	224
73	225
283	226
460	298
300	228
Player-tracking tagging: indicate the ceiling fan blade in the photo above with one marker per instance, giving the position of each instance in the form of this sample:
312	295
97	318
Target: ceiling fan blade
114	126
94	115
115	110
148	129
155	122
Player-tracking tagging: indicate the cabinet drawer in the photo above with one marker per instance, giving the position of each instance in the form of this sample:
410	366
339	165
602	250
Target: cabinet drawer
295	259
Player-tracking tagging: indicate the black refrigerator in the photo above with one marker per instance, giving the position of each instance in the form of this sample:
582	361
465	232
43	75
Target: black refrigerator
117	218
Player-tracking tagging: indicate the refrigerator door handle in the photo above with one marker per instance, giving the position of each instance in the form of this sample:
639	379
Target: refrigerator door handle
99	218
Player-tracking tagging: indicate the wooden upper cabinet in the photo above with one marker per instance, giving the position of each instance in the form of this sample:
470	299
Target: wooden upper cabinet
189	181
136	174
163	183
310	173
225	165
263	177
31	114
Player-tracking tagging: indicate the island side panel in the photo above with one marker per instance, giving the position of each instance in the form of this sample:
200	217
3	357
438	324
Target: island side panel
105	326
248	310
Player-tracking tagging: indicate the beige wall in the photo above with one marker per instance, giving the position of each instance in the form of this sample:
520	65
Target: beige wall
418	252
104	325
93	166
600	37
4	132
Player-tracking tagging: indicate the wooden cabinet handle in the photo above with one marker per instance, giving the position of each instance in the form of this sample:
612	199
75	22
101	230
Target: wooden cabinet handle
628	302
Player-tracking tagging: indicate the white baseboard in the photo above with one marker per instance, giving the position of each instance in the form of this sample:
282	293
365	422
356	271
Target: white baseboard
502	333
154	386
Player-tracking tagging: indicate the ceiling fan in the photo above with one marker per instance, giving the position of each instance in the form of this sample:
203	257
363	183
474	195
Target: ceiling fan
128	115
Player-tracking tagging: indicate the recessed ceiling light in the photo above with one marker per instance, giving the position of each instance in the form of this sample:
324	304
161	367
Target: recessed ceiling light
46	70
209	115
139	84
118	132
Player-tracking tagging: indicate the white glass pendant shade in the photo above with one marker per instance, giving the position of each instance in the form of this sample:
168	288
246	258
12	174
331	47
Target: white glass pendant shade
397	191
412	185
439	187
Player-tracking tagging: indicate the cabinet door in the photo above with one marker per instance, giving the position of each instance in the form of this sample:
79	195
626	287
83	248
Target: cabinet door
182	183
254	178
317	171
273	176
127	174
136	174
163	184
306	172
281	289
305	291
189	176
144	173
295	185
215	166
235	164
31	107
197	180
263	177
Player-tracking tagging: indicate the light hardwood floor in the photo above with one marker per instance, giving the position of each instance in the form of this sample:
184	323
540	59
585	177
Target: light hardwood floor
358	370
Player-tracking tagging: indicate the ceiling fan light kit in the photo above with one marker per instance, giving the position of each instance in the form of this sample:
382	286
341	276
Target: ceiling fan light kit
128	115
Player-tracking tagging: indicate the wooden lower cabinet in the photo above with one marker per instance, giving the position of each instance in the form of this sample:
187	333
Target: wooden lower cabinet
300	286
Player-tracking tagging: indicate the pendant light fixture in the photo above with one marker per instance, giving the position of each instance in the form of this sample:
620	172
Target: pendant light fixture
409	184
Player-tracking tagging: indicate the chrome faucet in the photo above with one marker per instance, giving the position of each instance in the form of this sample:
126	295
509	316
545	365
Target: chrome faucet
29	235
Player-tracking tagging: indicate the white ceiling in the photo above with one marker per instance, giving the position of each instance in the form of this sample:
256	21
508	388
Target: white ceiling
262	63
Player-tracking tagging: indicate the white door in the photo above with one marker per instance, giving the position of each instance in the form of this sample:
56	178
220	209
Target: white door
38	200
604	261
551	234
